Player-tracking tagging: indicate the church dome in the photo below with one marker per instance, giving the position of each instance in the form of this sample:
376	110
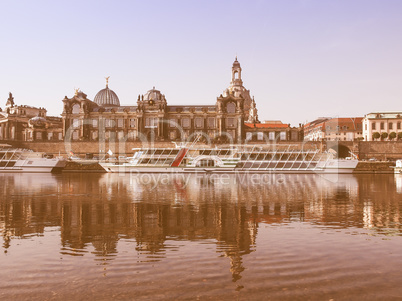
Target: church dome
153	95
236	63
107	97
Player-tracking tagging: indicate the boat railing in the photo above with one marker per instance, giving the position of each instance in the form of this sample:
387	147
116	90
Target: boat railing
9	158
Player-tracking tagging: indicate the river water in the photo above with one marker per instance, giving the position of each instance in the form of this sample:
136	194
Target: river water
200	237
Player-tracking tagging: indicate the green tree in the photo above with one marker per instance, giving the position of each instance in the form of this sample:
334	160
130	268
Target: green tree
392	135
376	135
384	135
400	135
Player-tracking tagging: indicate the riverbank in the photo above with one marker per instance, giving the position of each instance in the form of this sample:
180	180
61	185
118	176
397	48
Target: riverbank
362	167
374	167
79	167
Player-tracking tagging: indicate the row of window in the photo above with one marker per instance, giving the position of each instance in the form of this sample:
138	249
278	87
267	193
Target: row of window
338	127
133	134
151	122
230	108
271	136
50	136
382	126
108	123
344	133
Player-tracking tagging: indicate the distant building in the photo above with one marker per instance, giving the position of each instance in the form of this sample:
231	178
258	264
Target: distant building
382	126
151	118
26	123
238	90
272	131
233	118
313	131
334	129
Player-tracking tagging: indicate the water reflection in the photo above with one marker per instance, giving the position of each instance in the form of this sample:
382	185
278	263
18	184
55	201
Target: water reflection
96	211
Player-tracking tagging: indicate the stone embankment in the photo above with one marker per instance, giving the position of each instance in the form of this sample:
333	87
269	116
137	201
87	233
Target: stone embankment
362	167
374	167
79	167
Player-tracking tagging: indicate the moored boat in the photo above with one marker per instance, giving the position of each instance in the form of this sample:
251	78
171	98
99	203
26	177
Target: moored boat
22	160
232	159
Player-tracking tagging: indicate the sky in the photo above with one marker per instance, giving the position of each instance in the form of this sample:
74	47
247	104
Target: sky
300	59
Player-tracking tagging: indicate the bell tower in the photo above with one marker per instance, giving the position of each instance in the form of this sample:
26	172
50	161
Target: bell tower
236	74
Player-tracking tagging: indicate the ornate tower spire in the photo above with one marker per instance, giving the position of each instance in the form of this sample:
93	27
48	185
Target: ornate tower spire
236	74
252	113
107	81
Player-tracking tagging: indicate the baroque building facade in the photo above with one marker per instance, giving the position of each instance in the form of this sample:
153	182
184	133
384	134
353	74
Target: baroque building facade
26	123
233	118
152	119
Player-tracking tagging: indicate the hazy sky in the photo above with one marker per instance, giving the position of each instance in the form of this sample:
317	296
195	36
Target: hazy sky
300	59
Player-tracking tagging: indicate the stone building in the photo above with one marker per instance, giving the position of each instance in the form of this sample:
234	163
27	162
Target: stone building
272	130
26	123
152	119
383	125
237	89
233	118
334	129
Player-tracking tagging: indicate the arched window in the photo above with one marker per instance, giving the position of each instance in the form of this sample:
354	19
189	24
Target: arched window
76	109
231	108
236	75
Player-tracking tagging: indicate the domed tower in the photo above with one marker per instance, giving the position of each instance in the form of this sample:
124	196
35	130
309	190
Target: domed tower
237	89
153	96
107	97
152	100
236	74
152	106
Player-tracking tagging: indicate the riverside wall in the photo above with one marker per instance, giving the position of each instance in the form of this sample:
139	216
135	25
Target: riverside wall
379	150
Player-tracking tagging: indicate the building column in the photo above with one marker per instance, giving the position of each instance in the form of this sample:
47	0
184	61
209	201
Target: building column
6	132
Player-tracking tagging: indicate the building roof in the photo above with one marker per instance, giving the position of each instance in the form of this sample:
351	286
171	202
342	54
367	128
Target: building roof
107	97
351	124
153	94
113	108
384	115
266	125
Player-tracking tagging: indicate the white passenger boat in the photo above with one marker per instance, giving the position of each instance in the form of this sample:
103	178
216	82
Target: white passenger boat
232	159
22	160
